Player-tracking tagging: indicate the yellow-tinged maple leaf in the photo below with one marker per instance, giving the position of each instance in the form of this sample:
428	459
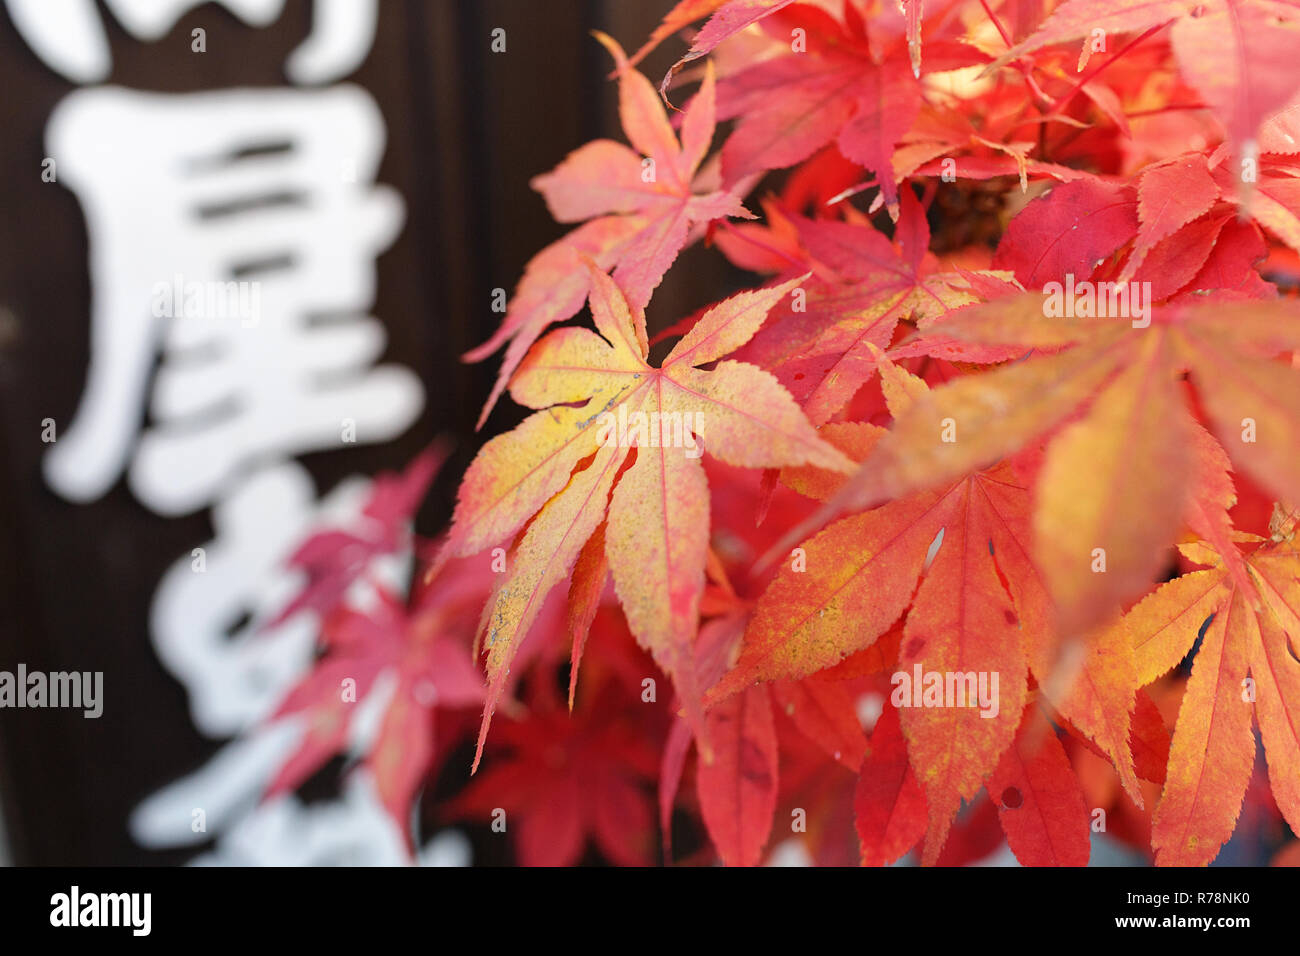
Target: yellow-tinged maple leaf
1247	661
1097	530
618	441
860	574
1115	483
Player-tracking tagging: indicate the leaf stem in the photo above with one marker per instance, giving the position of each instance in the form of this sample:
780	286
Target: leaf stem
1087	77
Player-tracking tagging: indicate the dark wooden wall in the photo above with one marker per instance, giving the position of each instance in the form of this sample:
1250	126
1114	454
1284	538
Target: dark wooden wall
466	130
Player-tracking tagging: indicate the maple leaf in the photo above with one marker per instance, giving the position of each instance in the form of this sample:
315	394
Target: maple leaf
1247	656
426	650
1039	800
578	463
888	804
1240	57
682	15
1236	54
1115	480
824	712
717	638
792	105
1148	737
1188	239
864	287
1034	479
865	572
641	204
728	17
1272	199
332	559
1067	231
571	779
737	790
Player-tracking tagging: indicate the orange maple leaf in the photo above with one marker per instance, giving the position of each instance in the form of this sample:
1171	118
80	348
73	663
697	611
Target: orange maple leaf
860	574
1115	484
1245	658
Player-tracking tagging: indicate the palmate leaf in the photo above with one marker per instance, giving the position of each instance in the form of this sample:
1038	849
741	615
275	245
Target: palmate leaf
793	104
567	780
1068	231
1124	477
639	217
861	574
824	712
1235	53
726	19
682	15
1109	478
333	559
738	789
1215	249
1170	195
1127	441
888	804
564	472
1040	803
864	288
1246	663
426	652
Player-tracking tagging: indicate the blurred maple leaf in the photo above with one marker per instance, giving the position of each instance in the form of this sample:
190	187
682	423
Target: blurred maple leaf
567	778
334	558
426	653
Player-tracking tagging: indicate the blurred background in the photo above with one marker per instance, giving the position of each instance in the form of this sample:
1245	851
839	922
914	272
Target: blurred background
358	159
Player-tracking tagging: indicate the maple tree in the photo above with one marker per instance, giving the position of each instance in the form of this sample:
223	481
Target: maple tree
940	533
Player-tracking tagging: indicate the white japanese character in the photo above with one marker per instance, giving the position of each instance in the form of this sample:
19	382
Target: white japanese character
69	36
223	191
